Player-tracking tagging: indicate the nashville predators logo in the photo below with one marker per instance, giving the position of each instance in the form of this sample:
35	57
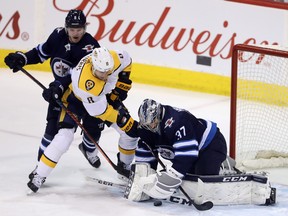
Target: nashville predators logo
89	85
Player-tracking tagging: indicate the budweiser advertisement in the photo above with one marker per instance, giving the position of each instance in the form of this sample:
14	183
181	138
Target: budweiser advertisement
187	34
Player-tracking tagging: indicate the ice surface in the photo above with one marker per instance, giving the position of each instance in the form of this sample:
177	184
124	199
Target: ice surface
66	191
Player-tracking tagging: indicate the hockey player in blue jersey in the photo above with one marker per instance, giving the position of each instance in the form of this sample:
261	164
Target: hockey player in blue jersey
193	145
65	47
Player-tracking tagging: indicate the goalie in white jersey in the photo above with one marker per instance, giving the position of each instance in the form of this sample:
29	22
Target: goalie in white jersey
100	82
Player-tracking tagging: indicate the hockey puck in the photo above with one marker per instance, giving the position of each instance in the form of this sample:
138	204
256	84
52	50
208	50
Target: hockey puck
157	203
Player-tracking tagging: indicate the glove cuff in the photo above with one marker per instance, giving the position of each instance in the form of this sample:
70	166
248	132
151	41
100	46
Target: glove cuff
24	56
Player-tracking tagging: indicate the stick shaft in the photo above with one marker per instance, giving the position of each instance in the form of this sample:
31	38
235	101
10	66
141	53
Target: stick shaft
74	117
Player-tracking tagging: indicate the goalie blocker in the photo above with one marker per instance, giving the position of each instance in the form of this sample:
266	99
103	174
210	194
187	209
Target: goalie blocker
227	189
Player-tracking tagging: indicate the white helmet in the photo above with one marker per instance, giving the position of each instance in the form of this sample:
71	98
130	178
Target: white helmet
102	60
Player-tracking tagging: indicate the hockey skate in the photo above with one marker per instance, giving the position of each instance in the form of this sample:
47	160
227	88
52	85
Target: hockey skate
123	169
35	183
31	175
92	157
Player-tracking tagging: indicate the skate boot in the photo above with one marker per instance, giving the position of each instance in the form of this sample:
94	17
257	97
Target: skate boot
92	157
123	169
35	183
31	175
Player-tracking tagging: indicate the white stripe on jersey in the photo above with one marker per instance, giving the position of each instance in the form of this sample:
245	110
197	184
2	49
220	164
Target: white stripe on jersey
193	153
185	143
205	134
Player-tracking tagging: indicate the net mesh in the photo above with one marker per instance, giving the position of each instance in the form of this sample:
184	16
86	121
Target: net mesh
262	107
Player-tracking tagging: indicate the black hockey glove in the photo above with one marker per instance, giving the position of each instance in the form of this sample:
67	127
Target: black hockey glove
54	92
15	60
122	88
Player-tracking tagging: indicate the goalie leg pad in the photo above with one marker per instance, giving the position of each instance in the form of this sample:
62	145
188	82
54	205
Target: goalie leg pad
232	189
141	177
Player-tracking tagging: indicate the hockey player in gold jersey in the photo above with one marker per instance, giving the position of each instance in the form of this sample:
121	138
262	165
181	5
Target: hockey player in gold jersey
100	82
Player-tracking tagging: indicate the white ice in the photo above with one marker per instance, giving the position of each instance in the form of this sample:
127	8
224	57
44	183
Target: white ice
66	191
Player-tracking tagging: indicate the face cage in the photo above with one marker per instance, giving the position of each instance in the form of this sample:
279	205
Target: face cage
148	127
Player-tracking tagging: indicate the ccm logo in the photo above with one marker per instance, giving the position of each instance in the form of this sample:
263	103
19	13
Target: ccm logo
235	179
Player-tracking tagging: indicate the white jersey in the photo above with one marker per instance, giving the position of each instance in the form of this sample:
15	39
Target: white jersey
92	91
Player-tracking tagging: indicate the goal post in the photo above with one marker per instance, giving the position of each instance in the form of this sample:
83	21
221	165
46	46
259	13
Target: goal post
259	106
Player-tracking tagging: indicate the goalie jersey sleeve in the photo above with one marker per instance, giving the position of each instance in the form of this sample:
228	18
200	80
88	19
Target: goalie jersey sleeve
181	137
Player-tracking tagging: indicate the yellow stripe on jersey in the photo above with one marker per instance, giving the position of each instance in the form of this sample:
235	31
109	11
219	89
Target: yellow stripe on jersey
65	103
110	114
128	68
126	151
47	161
116	59
88	82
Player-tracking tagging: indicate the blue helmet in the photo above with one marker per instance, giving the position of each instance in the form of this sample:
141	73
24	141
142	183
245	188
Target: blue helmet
75	19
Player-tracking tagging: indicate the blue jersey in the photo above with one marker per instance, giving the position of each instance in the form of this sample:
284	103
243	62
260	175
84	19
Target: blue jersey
62	53
181	137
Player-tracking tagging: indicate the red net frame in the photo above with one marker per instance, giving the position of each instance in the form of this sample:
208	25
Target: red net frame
237	49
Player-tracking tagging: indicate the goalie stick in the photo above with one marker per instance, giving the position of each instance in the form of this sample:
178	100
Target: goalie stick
173	198
74	117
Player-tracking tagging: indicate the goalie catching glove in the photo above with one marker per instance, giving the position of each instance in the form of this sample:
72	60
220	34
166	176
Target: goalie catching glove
144	183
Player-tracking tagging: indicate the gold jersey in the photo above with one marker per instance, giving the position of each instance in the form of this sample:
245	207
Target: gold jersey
92	91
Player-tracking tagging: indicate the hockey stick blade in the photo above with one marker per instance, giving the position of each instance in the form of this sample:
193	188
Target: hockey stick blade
174	199
204	206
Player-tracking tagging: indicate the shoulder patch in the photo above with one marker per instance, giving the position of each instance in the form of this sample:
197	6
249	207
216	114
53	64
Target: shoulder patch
169	122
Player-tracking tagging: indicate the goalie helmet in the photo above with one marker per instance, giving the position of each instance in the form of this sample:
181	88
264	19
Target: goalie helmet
150	115
75	19
102	60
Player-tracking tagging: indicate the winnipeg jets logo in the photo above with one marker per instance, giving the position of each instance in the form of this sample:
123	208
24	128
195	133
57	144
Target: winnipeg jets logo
166	153
89	84
88	48
169	122
67	47
60	67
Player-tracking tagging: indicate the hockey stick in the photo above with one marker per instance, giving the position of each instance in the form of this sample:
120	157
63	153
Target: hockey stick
174	198
74	117
106	183
201	207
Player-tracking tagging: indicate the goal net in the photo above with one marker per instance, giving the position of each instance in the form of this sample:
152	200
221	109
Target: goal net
259	106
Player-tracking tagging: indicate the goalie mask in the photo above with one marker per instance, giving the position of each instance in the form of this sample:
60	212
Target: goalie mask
150	115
